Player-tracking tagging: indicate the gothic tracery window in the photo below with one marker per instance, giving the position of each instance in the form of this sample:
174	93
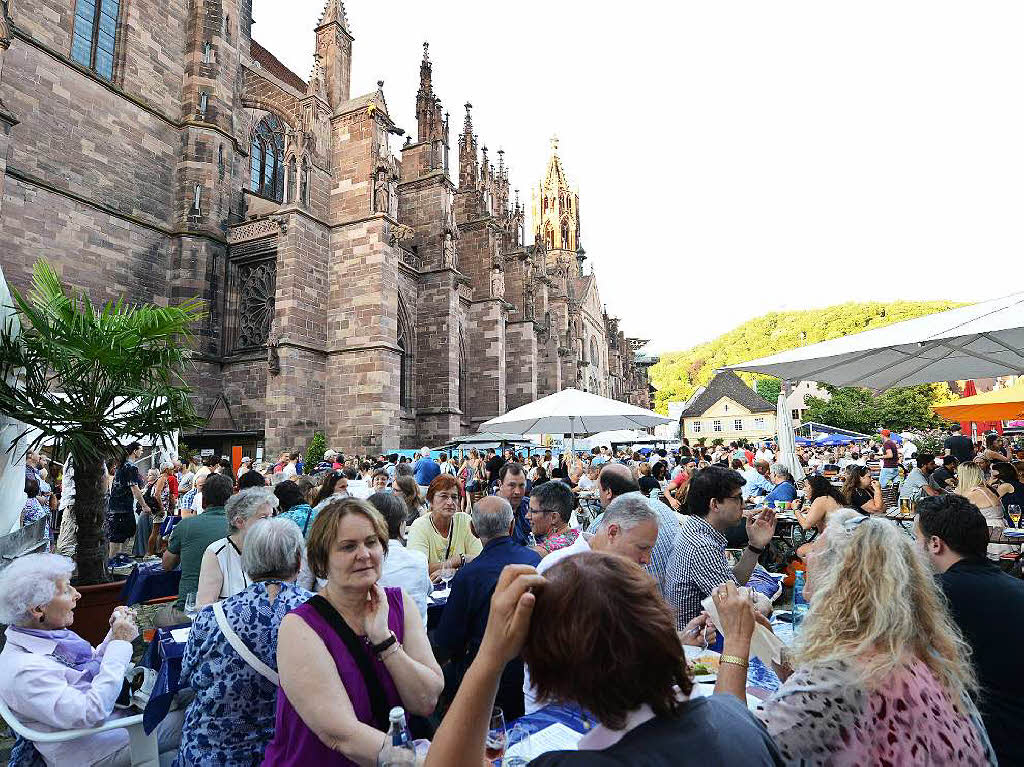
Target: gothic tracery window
266	160
94	35
256	287
405	363
463	378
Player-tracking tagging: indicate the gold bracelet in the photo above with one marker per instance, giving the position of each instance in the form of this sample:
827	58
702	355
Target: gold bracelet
736	659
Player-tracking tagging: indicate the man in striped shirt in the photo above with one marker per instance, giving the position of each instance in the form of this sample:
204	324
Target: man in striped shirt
698	563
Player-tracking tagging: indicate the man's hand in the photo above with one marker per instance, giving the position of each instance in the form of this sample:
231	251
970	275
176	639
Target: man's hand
511	608
761	528
700	632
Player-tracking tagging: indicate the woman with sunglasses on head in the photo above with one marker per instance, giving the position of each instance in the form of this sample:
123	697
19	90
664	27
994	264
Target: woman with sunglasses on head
861	491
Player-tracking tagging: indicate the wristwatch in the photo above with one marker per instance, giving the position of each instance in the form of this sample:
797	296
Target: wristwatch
379	648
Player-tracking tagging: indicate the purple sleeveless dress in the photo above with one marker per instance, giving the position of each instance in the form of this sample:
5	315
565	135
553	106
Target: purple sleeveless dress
294	744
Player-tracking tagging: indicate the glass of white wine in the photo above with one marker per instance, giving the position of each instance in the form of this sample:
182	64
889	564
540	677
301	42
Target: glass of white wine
190	607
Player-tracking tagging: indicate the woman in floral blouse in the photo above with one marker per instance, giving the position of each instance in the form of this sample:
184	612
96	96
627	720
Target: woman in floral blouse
231	719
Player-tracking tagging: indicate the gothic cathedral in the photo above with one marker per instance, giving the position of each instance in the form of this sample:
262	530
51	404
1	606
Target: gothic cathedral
359	280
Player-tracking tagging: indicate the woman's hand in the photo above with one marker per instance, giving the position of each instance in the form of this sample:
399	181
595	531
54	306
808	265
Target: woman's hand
375	621
511	608
124	628
122	612
735	611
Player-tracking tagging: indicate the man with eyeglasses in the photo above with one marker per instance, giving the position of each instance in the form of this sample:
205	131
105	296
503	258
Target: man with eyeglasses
698	563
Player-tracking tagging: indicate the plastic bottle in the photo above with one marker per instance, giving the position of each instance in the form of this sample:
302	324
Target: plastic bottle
799	603
399	750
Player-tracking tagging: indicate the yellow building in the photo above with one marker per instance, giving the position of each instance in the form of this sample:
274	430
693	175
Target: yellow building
729	410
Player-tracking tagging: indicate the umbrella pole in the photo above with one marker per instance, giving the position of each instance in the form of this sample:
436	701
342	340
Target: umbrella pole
572	427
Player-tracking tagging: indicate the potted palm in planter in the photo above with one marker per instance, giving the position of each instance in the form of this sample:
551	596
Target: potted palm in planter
93	378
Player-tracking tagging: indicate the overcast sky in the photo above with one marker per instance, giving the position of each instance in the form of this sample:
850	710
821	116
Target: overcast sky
733	158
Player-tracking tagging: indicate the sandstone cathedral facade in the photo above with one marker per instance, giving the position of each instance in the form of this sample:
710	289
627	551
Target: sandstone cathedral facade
382	292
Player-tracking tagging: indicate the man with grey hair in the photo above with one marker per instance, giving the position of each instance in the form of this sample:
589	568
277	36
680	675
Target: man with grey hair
785	487
616	481
464	621
425	469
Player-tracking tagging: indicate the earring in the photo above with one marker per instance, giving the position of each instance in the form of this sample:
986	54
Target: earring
42	618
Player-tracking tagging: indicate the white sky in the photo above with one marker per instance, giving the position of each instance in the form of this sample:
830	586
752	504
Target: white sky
733	158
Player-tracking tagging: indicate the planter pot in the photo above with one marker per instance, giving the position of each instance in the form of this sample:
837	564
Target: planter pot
92	614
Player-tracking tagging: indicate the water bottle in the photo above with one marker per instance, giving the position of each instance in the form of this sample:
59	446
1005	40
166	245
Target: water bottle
398	749
799	603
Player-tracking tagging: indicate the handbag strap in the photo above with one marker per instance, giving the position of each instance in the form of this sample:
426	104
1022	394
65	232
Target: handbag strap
236	642
378	702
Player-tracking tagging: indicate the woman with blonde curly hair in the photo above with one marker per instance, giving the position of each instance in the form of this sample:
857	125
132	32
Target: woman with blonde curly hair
882	674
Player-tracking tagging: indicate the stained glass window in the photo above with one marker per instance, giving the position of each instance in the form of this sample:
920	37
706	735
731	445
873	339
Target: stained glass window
266	160
94	35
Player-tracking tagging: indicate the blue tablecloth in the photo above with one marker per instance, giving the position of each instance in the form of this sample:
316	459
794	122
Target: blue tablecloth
163	656
148	581
168	524
573	717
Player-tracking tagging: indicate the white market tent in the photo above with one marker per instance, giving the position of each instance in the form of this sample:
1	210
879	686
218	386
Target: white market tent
573	412
977	341
618	437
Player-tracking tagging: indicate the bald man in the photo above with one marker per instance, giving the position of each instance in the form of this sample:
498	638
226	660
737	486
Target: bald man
461	630
616	480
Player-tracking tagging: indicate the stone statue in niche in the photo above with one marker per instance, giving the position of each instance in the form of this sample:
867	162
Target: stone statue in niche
529	298
448	256
497	282
273	341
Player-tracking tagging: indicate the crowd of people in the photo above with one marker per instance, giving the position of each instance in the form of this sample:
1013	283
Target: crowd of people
311	607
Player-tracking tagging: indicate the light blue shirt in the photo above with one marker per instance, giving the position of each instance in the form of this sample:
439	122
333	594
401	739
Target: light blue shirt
755	484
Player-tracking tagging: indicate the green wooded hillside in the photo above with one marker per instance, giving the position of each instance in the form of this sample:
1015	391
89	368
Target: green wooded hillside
678	374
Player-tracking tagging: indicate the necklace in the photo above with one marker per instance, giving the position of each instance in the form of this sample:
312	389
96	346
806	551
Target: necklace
438	531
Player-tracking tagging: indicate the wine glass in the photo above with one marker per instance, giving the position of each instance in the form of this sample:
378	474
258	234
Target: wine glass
1014	511
190	607
497	738
446	575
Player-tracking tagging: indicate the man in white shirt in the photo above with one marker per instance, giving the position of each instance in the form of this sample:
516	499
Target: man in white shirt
291	468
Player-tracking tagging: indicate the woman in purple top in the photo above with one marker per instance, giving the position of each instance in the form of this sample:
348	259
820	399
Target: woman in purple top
352	652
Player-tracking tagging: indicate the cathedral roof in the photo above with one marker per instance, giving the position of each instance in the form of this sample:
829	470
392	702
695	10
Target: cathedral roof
272	64
727	384
582	285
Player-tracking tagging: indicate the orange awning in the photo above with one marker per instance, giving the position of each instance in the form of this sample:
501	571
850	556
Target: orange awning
999	405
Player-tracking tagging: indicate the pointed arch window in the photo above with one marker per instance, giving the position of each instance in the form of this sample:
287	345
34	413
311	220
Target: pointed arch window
405	363
565	234
266	160
94	35
463	378
549	236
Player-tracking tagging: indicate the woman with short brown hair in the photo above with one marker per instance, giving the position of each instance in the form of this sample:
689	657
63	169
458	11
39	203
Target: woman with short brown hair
352	652
597	633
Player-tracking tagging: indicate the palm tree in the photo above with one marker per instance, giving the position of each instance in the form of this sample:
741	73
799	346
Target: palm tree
94	378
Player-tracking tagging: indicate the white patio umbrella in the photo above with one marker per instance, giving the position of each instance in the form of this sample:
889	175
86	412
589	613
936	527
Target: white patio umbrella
977	341
787	439
12	456
573	412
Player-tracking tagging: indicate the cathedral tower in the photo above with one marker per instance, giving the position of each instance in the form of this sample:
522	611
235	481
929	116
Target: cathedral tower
556	212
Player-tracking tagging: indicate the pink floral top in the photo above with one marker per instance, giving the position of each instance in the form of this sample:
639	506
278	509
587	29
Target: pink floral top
822	716
560	541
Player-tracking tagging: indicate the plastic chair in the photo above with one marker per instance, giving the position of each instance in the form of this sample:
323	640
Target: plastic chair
144	750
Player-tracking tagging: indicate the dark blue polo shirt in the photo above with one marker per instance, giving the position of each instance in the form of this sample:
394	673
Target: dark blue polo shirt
464	619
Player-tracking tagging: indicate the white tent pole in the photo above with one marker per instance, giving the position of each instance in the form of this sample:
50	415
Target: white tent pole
572	427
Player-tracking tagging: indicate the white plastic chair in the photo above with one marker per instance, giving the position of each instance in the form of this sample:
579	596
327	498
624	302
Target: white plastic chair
143	747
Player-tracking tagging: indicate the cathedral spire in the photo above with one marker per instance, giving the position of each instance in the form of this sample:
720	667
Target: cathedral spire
334	13
468	168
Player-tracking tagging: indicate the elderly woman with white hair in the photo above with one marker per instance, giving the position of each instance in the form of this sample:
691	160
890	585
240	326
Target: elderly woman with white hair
882	674
230	661
221	574
54	680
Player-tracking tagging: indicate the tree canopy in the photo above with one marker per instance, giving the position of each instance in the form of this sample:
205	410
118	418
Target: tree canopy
678	374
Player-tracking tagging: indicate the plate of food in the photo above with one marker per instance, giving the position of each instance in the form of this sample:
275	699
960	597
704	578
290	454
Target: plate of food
703	664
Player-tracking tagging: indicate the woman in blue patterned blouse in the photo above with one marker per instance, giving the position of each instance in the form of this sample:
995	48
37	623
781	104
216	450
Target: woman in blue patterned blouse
231	719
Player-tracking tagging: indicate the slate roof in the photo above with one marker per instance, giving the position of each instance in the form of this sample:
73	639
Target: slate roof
273	65
728	384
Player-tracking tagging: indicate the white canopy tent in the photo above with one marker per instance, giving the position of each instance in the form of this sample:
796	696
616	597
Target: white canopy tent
573	412
976	341
787	439
618	437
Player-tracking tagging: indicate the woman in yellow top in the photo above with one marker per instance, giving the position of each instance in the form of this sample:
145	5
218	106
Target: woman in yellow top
443	534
